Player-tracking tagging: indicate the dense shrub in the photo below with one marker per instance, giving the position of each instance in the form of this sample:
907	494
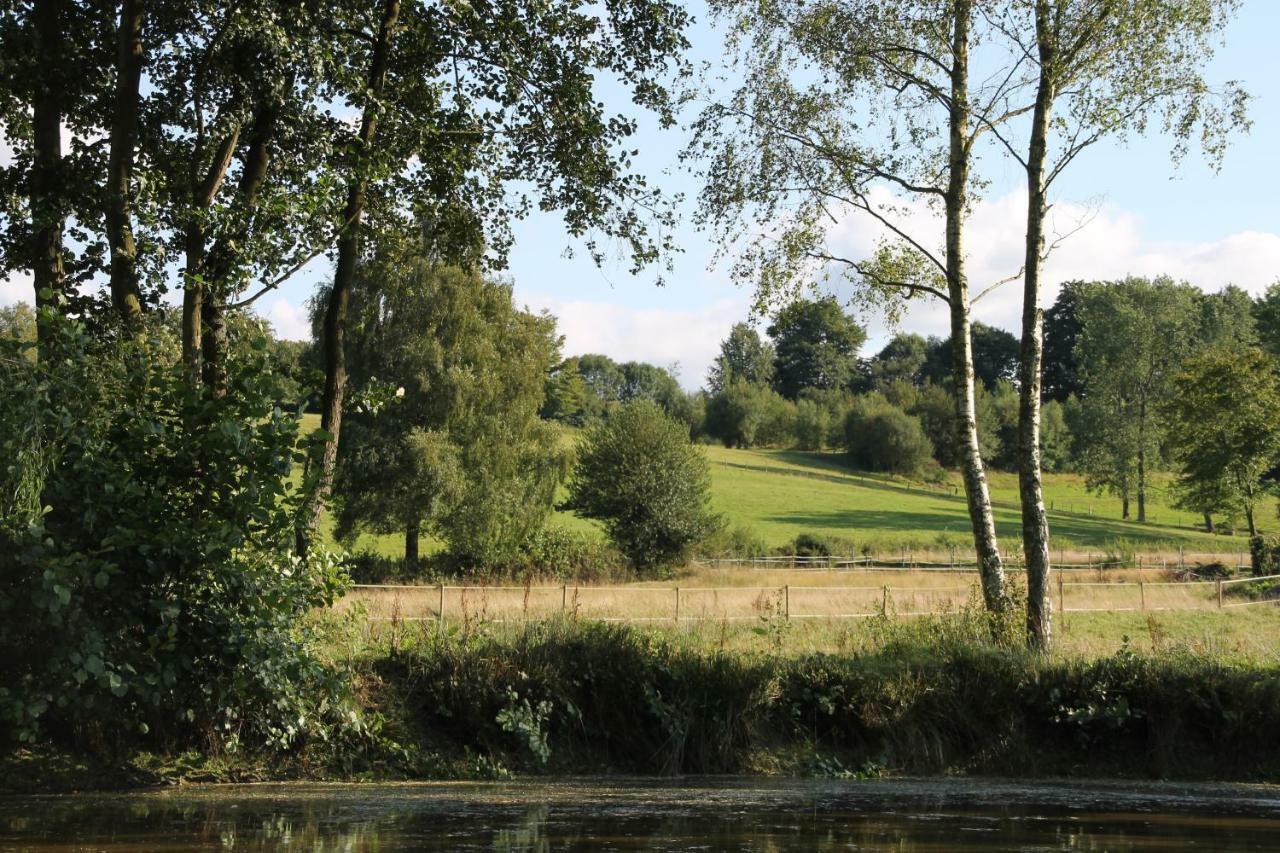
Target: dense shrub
745	415
1264	554
640	475
885	438
813	424
156	592
930	696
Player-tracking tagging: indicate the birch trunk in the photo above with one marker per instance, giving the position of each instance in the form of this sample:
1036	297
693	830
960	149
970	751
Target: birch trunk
986	545
1035	523
335	317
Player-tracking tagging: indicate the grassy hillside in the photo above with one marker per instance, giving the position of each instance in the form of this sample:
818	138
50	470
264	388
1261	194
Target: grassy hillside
779	494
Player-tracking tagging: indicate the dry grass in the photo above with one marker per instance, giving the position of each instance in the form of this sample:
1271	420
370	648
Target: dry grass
711	594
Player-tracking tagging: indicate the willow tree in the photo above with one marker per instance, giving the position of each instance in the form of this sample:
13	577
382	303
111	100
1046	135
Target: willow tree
446	440
866	108
1100	68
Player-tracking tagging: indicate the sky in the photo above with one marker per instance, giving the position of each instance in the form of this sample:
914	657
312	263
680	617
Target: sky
1141	215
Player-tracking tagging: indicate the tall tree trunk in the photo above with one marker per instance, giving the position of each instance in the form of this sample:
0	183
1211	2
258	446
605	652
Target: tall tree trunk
203	192
1124	506
987	547
1208	522
1142	461
335	317
223	258
1035	522
47	218
125	292
411	548
1248	517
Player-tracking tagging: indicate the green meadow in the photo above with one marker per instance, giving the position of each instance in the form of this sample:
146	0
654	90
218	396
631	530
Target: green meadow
780	494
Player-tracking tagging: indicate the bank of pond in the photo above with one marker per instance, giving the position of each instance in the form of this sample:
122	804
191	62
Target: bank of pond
934	696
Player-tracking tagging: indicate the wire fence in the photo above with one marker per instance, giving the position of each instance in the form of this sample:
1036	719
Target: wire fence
1073	561
676	604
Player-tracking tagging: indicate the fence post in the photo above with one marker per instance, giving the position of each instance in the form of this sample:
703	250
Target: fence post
1062	599
786	602
884	601
1182	560
1142	593
677	619
1219	595
440	609
564	599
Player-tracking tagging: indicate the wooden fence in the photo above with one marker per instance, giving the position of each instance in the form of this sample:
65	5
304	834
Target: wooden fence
676	604
1074	561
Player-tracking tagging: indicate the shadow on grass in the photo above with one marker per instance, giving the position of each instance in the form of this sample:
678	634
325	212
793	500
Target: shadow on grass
1083	531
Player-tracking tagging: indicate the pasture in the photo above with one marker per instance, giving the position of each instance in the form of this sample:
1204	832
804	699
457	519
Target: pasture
777	495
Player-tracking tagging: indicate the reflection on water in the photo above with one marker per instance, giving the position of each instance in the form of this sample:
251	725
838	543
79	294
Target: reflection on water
697	814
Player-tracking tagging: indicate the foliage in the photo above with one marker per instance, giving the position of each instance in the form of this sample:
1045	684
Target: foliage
816	346
995	357
927	696
146	551
813	425
902	359
1133	339
885	438
639	474
743	355
1224	428
458	450
1061	379
1264	555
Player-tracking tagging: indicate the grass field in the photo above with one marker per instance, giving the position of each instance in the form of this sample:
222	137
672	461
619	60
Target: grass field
779	494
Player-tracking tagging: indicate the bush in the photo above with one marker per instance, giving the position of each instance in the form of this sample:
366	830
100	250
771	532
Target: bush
640	475
887	439
1264	554
813	424
159	586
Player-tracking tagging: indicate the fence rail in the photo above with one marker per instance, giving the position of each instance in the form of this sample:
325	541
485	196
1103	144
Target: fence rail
676	604
936	562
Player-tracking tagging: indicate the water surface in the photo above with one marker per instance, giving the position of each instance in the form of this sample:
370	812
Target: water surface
716	814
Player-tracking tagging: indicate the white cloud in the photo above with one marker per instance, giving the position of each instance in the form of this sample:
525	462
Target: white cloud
288	320
1099	243
689	338
16	288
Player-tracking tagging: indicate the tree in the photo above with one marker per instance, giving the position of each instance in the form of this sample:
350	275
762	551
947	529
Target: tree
882	437
1224	428
461	453
1060	377
1266	315
566	394
743	355
639	474
995	357
736	414
815	346
1134	336
788	157
495	98
1106	67
813	425
902	359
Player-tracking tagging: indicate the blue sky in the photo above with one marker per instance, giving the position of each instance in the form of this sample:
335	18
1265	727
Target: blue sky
1146	218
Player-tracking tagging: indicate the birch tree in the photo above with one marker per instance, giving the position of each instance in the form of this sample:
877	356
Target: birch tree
1102	68
845	108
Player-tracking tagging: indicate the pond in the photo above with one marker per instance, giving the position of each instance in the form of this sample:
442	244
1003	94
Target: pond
707	814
